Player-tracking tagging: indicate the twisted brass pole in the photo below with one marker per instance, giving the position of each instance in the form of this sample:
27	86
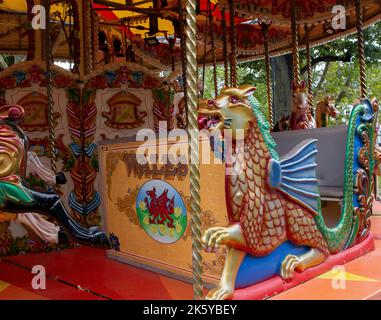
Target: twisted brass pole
295	43
311	101
361	48
265	31
49	89
191	53
95	42
183	53
87	8
225	47
212	44
233	43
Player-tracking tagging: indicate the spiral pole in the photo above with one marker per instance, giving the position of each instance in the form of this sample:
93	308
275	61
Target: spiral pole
213	48
265	32
87	8
183	53
233	41
95	42
191	54
295	43
225	47
361	48
311	101
49	89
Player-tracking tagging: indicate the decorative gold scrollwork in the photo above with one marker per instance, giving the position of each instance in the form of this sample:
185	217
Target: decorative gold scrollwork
363	188
364	151
126	205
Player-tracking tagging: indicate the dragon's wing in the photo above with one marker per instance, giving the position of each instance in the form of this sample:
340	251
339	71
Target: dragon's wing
163	199
295	175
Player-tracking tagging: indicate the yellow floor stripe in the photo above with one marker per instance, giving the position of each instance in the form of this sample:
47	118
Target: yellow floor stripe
3	285
340	274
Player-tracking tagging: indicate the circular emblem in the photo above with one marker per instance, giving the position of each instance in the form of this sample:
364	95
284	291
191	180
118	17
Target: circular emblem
161	211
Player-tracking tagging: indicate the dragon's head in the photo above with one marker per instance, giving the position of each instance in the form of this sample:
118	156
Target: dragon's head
151	193
230	110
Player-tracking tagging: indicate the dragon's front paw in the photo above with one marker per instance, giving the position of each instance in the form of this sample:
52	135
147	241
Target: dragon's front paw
214	237
289	265
220	293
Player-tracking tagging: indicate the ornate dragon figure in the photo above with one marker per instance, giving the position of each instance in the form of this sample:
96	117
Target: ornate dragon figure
272	200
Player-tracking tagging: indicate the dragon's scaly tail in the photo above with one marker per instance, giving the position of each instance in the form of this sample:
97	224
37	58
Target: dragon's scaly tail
344	234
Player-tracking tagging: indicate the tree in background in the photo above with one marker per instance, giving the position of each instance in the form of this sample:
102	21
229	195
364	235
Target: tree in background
335	72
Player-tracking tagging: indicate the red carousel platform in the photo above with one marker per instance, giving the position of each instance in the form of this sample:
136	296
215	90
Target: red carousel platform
87	274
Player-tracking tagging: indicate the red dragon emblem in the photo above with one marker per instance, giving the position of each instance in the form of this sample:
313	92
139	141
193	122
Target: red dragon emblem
160	208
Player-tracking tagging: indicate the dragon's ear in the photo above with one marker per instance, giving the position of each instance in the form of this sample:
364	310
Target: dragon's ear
247	90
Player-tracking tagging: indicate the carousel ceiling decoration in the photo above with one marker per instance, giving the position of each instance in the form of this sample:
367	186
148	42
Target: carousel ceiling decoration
150	29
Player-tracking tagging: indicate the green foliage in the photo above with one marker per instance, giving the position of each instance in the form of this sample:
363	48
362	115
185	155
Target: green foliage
338	79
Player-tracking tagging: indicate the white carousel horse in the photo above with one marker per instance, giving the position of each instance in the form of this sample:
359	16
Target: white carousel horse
34	222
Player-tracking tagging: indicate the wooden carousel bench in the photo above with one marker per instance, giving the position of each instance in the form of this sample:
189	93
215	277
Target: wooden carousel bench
331	145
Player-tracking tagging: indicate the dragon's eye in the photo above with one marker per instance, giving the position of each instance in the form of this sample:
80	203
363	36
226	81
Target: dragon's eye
234	99
210	102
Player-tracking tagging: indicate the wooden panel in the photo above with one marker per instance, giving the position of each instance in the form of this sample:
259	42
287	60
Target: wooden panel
124	193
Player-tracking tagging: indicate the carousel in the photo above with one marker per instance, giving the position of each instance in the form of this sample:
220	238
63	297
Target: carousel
259	205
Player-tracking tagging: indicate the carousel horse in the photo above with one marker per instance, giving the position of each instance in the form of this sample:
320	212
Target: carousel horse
324	110
268	202
16	197
45	230
301	115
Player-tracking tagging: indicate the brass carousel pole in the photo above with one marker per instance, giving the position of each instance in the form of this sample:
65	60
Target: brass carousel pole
212	44
191	84
265	31
183	52
311	101
95	44
225	47
233	41
295	42
88	36
49	89
361	48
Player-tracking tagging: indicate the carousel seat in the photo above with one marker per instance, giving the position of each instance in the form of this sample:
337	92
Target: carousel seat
331	146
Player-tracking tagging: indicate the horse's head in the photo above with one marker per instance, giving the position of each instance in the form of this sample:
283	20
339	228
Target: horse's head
230	110
299	97
328	107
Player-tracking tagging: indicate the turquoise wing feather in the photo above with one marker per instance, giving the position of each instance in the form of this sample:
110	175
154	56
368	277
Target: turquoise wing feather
294	175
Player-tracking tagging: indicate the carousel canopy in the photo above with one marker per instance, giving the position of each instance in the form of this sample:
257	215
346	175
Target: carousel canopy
139	20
